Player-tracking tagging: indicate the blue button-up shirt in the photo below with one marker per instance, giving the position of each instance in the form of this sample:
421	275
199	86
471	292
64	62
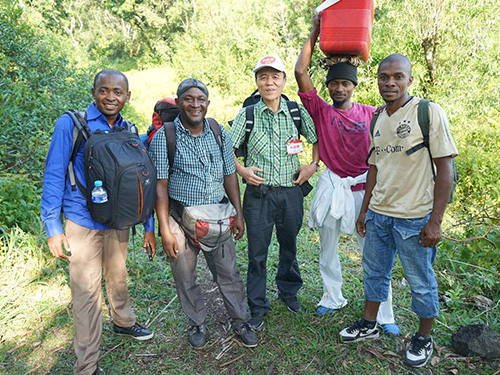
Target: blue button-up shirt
199	164
57	192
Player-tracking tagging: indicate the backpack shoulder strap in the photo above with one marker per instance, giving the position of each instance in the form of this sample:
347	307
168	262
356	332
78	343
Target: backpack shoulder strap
293	107
423	119
81	132
249	120
374	119
171	139
214	125
423	123
249	123
373	122
130	127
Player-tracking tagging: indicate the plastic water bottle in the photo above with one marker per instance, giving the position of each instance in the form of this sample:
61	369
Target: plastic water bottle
99	194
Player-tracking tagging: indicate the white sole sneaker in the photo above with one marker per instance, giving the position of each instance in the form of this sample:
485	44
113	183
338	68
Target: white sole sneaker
357	332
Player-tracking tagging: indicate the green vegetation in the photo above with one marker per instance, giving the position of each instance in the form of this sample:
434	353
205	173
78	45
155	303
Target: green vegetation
49	51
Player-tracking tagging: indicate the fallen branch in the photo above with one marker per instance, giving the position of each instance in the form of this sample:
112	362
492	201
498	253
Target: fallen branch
233	360
224	350
33	370
468	264
471	239
17	347
162	311
110	350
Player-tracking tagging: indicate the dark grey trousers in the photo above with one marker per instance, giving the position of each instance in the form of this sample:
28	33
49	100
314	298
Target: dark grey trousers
227	277
264	208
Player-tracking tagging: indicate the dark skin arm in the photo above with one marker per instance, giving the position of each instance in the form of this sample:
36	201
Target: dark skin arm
233	192
149	238
431	232
168	240
303	79
371	180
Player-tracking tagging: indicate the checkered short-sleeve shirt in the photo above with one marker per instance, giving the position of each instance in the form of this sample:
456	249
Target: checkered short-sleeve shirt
267	142
199	164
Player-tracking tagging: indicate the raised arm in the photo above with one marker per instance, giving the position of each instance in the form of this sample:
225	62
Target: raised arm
303	79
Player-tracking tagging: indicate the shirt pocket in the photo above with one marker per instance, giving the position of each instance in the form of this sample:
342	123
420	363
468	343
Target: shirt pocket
410	227
258	143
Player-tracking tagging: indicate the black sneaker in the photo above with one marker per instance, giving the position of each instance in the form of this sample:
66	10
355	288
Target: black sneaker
198	336
137	331
257	321
247	335
420	351
293	304
359	331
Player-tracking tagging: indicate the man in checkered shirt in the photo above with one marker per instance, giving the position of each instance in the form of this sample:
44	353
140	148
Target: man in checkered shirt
201	172
273	196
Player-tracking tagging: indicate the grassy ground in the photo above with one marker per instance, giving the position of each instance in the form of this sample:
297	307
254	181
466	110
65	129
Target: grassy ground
36	322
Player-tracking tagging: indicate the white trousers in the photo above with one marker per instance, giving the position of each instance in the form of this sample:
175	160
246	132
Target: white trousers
331	271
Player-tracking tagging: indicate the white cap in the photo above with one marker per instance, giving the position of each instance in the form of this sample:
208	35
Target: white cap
271	61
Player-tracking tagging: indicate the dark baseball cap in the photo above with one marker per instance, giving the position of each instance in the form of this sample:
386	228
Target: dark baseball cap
189	84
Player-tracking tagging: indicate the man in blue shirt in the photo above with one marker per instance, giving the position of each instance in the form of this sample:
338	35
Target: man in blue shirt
90	245
201	172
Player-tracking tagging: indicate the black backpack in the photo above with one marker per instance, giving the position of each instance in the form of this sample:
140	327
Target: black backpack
121	162
423	122
249	105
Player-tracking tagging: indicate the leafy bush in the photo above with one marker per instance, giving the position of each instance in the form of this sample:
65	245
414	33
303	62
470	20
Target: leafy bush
38	83
19	202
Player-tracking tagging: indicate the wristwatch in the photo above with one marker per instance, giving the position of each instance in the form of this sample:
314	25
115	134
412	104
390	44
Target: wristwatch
317	164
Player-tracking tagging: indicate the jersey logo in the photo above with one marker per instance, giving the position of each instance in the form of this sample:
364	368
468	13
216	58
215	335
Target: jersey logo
404	129
377	134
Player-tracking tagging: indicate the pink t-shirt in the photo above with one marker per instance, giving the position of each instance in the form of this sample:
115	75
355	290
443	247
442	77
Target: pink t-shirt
343	136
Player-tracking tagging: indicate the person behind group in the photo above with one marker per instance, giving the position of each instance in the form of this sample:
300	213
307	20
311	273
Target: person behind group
90	245
344	141
403	206
201	172
273	196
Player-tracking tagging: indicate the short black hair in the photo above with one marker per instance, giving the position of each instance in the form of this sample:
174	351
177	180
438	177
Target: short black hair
399	58
104	72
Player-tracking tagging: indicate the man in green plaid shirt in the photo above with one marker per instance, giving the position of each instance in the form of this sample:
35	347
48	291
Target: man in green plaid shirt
274	196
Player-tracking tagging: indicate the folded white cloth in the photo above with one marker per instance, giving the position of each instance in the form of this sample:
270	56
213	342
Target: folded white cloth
334	197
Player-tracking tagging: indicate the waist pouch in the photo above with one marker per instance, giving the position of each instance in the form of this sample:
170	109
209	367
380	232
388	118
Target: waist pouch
207	226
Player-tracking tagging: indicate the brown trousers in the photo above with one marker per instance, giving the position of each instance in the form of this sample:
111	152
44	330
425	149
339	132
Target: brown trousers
91	250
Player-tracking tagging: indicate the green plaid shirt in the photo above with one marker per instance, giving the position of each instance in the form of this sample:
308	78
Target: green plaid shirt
267	142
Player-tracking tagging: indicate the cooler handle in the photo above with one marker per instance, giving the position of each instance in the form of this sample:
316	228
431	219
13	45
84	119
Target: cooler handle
324	5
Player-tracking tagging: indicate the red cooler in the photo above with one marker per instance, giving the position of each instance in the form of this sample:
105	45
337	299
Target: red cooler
346	28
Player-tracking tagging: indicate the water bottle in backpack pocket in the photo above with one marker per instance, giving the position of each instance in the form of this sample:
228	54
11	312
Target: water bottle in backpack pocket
120	161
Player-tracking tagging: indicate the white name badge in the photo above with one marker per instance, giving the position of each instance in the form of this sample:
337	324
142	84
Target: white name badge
294	147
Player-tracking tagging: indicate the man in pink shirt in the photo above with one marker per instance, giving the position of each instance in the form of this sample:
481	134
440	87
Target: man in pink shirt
344	142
